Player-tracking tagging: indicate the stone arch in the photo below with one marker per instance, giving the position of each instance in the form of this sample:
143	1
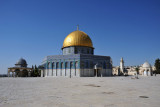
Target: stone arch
76	51
57	67
82	65
61	67
24	73
76	64
149	72
76	67
48	67
72	70
53	65
17	72
66	67
69	50
71	65
92	51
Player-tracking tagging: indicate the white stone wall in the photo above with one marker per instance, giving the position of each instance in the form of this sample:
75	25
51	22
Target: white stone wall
87	72
54	72
108	72
45	72
68	72
63	72
76	72
58	72
73	72
50	72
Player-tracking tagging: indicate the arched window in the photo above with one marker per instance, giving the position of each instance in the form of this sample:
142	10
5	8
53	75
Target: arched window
48	65
104	65
92	51
76	51
69	50
87	64
52	65
87	51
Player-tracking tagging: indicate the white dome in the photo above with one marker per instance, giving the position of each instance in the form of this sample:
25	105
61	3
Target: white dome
146	65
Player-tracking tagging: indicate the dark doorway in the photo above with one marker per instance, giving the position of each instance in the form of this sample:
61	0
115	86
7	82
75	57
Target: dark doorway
97	73
24	73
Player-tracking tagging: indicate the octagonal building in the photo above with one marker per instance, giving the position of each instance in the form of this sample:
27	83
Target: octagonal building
78	59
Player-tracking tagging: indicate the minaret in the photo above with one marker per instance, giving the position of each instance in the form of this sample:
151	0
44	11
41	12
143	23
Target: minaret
77	27
122	65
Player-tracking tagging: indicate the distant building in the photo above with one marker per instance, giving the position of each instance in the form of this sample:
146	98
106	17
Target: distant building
145	69
20	69
78	59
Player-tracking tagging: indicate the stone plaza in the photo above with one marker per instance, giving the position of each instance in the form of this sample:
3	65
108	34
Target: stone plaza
80	92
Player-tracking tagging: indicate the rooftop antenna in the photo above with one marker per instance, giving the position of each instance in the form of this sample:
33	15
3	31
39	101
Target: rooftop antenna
77	27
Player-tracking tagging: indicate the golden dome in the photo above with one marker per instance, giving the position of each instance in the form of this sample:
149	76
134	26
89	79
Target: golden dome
77	38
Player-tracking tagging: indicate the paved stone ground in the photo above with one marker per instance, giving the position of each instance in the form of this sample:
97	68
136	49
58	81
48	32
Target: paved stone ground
80	92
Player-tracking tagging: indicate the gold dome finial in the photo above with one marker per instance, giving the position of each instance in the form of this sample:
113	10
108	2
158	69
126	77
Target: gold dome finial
77	27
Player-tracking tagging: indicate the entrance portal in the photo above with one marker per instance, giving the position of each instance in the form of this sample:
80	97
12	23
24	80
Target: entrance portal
97	73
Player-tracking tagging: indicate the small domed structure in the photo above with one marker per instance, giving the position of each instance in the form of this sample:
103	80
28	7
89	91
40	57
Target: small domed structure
147	70
20	69
146	65
21	63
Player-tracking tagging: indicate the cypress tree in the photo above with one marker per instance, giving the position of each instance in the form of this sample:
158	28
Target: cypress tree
157	65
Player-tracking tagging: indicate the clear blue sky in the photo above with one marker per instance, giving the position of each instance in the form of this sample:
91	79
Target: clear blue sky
33	29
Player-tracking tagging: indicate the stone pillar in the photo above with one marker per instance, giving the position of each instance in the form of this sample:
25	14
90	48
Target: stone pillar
70	72
29	73
12	74
15	74
46	72
8	73
41	73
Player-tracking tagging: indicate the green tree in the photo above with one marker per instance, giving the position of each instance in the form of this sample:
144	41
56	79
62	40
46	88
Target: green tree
137	70
32	74
157	65
35	71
